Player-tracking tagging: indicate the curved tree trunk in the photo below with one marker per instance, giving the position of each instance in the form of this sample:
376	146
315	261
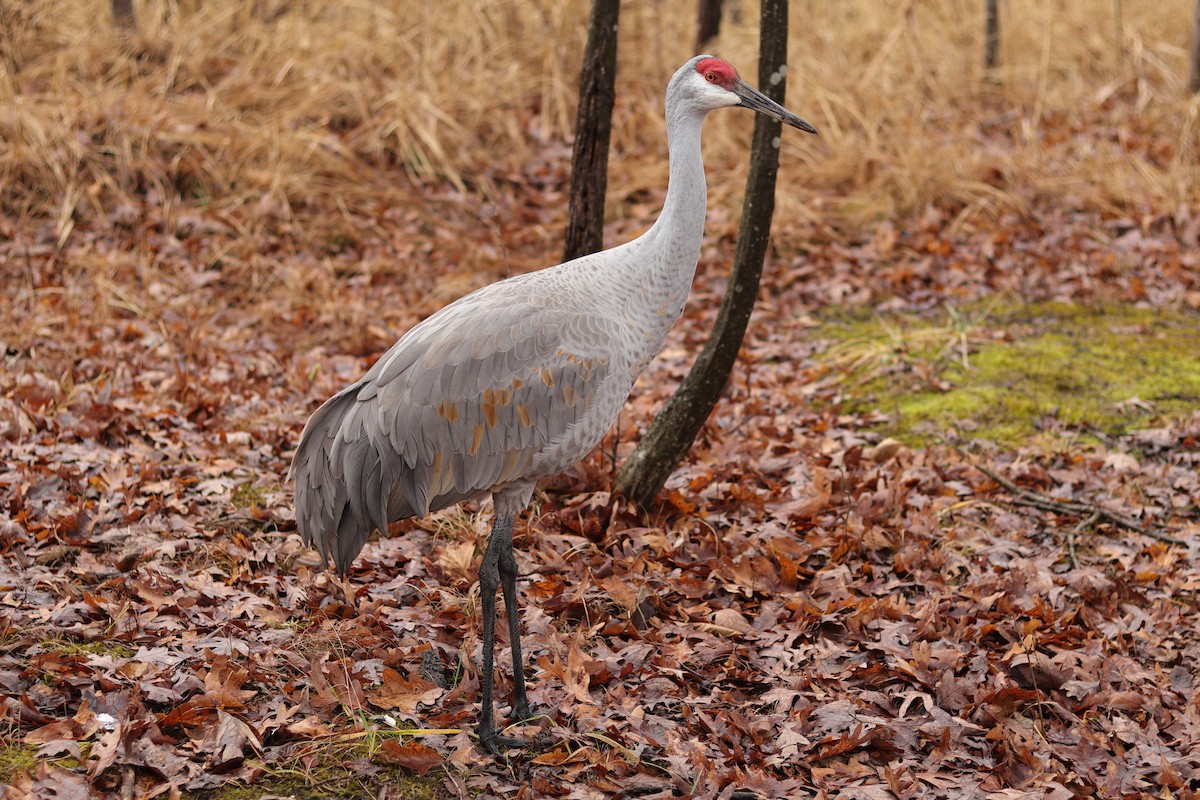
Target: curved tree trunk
593	126
991	34
708	23
123	16
1194	82
644	473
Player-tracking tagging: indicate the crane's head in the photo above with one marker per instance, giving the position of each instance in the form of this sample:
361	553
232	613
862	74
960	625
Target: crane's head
707	83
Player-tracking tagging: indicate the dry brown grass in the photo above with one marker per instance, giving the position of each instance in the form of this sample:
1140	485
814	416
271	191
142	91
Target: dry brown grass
268	108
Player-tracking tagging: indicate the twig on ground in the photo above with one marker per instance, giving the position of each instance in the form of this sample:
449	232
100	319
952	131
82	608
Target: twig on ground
639	789
1028	497
1087	523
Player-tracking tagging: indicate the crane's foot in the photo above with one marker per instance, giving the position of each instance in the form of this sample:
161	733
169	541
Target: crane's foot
496	743
523	712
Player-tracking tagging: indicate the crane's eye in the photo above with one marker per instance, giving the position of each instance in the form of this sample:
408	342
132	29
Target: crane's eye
710	76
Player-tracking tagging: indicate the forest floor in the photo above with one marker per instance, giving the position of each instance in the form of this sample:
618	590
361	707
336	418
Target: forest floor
940	538
826	601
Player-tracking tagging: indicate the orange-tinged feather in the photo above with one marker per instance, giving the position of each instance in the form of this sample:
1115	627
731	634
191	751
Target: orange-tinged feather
448	410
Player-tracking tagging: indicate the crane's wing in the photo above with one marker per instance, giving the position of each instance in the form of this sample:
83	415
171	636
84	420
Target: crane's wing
464	403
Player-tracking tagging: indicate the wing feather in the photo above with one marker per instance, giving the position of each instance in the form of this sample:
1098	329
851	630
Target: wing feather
463	404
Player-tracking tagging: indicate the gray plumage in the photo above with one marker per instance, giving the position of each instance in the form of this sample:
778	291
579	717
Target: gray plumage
514	382
491	393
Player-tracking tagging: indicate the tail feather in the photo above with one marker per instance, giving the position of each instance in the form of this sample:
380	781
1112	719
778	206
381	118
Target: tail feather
340	490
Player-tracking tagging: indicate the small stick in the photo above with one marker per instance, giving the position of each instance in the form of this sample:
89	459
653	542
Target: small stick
1087	523
1027	497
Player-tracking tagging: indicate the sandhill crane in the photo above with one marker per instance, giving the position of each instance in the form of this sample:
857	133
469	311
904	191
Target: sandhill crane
514	382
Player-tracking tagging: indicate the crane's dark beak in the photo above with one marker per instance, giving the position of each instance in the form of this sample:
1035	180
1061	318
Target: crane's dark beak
755	100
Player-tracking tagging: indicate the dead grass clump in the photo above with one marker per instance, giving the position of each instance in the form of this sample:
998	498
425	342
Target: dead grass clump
226	103
1079	111
256	110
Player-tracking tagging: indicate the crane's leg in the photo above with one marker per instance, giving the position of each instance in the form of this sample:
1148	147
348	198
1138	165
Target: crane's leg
508	585
499	551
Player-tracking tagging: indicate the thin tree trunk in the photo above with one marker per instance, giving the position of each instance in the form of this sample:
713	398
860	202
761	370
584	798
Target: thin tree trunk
1194	81
644	473
593	126
123	16
991	34
708	23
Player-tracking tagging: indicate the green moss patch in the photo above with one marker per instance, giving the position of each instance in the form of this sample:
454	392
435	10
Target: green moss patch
104	647
17	757
246	495
335	771
1010	374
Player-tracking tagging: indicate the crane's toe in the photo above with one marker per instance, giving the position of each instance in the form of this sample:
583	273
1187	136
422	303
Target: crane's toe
496	743
523	712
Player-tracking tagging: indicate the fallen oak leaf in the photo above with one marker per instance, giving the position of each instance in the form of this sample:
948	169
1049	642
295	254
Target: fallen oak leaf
418	757
150	751
811	502
57	783
61	729
553	758
396	692
1032	670
346	684
59	748
310	727
544	787
732	618
884	451
223	684
227	741
1005	702
1109	699
104	752
716	630
457	558
853	740
725	622
620	748
573	674
196	711
571	763
22	709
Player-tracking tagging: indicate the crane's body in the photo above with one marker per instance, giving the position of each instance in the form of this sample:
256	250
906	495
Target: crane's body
507	385
514	382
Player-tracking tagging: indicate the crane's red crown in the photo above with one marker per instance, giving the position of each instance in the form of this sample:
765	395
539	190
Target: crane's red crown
718	71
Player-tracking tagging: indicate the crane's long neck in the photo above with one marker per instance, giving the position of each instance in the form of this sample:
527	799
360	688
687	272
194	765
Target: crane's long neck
666	255
675	237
